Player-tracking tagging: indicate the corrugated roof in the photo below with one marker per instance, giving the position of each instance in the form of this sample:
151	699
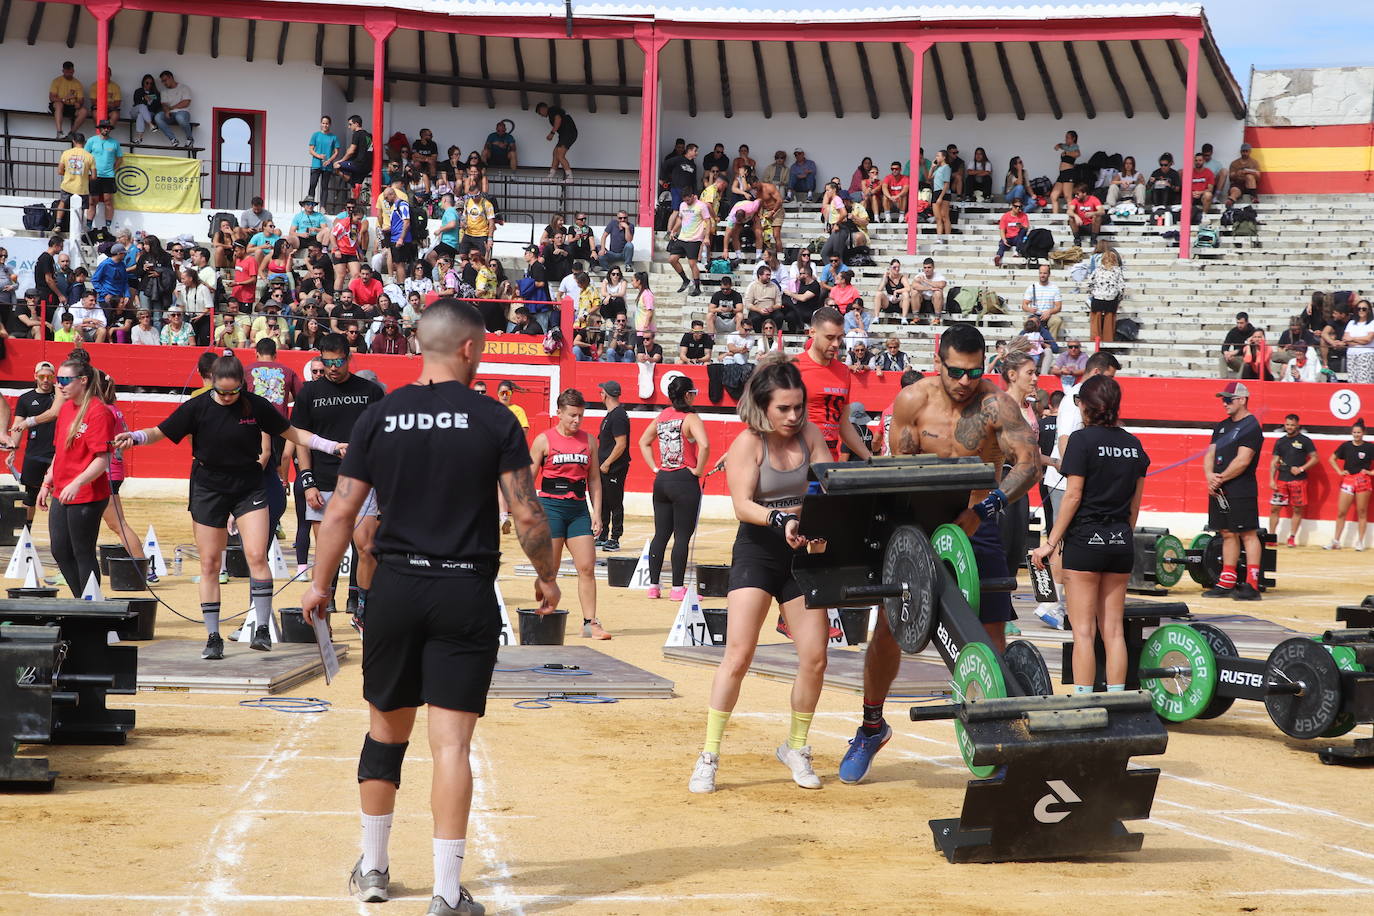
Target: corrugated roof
819	12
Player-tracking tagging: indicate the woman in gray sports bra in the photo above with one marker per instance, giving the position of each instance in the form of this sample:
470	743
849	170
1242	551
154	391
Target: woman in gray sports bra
766	468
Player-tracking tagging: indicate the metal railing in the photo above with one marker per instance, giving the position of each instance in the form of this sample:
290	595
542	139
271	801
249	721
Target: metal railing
31	171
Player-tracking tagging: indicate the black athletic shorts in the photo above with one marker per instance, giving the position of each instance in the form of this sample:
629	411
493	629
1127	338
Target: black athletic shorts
213	498
404	252
762	559
1089	559
444	251
430	639
1243	516
115	485
566	138
102	186
683	248
34	470
345	258
473	243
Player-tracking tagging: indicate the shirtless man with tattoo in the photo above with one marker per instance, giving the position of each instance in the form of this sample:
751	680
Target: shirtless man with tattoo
954	414
771	210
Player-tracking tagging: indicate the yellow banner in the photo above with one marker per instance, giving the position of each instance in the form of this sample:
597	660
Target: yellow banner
1315	159
158	184
505	346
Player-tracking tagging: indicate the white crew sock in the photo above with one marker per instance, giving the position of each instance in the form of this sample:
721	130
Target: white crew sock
376	835
448	869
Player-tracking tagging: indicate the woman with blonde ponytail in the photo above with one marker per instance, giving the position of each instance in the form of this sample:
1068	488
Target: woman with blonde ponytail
76	488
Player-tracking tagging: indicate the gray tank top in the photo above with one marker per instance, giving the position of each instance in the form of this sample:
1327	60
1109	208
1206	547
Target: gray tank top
780	489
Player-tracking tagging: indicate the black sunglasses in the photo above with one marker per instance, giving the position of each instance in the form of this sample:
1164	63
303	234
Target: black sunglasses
973	374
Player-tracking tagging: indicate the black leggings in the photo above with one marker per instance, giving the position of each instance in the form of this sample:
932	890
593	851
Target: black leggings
302	526
677	497
613	505
72	532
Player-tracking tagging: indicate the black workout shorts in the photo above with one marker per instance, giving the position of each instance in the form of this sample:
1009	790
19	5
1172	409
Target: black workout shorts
761	559
430	639
115	485
566	138
101	187
345	259
404	252
1243	515
211	502
33	472
685	249
473	243
443	250
1090	559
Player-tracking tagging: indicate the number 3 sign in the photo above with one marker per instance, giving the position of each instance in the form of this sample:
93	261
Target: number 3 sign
1345	404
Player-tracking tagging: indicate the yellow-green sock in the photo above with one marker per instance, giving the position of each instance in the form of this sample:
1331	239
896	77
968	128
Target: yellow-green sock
801	725
715	729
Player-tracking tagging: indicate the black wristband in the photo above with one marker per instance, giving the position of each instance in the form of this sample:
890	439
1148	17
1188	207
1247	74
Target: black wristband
307	479
778	519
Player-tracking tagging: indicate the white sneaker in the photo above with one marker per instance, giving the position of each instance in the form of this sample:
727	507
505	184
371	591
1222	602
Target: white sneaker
1334	545
798	760
1051	613
704	774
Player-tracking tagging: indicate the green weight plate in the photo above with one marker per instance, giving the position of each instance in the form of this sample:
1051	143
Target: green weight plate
954	548
1344	657
1184	696
1199	544
909	560
977	676
1170	561
1222	647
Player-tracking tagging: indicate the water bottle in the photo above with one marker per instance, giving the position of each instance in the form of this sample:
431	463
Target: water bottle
176	562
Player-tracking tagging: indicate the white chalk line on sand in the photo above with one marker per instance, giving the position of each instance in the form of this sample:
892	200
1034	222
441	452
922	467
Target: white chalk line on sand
487	840
225	845
1234	818
517	899
1261	851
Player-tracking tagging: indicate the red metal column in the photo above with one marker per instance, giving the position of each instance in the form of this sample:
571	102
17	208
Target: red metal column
1185	226
379	25
103	11
650	43
918	62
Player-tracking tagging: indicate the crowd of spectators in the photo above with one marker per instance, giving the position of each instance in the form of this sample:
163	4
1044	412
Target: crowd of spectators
1334	333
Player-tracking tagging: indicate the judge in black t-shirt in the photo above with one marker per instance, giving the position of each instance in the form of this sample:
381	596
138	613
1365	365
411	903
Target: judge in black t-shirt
38	435
1233	506
561	126
1294	455
230	430
613	445
1104	468
356	162
434	626
1353	460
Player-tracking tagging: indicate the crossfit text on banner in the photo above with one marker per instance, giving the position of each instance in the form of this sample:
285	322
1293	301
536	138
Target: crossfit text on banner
158	184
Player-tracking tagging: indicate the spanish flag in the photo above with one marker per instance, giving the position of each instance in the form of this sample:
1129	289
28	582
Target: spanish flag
1337	159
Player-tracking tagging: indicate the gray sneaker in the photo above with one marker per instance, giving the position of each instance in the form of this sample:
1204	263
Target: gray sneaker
466	906
369	887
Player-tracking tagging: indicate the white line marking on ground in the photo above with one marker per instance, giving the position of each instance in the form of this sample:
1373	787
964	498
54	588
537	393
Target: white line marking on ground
1260	850
499	874
1278	803
225	845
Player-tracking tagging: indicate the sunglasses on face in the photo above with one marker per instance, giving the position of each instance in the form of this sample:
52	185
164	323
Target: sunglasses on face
65	380
970	374
231	393
336	363
317	372
1075	347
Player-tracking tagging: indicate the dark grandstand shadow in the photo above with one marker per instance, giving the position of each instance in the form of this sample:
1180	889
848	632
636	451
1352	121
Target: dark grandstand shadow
645	870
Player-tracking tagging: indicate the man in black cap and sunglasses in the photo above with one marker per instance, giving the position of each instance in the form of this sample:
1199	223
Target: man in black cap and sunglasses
1233	494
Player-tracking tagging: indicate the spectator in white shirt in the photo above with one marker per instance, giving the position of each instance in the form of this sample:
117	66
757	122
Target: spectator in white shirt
1043	300
740	345
176	106
144	332
88	319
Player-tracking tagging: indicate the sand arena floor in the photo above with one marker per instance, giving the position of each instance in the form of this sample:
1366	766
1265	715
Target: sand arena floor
214	808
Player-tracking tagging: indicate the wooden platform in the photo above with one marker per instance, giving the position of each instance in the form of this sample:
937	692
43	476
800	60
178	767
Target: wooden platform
918	677
608	677
176	665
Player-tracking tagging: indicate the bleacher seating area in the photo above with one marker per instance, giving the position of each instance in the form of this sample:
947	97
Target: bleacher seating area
1185	308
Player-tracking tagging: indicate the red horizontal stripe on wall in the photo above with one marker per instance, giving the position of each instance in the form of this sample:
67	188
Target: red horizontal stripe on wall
1316	183
1325	135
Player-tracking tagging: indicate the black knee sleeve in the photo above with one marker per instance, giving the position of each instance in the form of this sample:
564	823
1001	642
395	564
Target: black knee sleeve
381	761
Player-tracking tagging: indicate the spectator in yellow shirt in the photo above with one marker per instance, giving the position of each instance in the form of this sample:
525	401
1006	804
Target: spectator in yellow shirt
67	99
76	166
114	97
477	217
486	276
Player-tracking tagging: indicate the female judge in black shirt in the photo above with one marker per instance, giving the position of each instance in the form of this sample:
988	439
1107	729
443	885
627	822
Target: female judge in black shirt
231	430
1105	468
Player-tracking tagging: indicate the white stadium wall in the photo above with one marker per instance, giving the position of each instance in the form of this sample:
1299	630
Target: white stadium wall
1312	97
838	144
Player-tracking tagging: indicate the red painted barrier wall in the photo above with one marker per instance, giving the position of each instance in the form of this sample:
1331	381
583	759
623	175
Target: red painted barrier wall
1171	405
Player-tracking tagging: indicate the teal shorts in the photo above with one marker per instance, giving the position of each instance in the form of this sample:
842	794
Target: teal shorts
568	518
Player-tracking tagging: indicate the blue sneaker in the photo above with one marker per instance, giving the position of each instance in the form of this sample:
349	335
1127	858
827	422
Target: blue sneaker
862	750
